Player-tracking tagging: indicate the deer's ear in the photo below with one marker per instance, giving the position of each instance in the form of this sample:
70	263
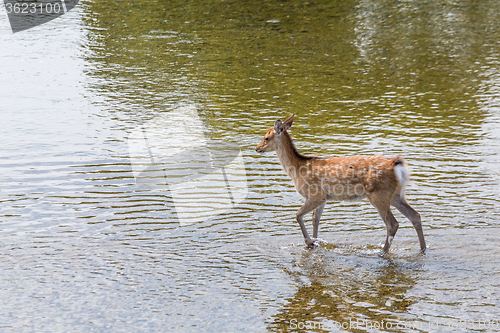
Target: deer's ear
278	127
288	123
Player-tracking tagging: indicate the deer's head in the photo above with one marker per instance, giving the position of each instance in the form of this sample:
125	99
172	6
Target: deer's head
274	134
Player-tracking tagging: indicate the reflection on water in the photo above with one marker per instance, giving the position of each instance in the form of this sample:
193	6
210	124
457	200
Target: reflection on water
356	289
84	246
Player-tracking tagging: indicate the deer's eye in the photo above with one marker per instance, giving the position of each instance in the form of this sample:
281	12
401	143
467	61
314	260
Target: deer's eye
266	139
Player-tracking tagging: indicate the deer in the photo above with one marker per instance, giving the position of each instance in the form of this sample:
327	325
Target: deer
380	179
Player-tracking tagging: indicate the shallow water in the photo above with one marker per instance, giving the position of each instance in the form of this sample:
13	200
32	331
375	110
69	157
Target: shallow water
87	246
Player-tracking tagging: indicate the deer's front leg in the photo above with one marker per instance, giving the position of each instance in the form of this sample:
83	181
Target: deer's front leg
316	217
307	207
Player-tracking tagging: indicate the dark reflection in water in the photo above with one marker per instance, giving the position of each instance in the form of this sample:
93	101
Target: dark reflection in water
352	290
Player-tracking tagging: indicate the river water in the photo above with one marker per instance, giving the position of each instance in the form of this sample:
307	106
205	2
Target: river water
86	246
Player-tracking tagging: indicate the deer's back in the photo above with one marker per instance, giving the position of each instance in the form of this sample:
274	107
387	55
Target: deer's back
346	177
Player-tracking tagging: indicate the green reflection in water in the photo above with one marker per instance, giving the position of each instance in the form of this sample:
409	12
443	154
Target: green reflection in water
353	71
357	297
398	65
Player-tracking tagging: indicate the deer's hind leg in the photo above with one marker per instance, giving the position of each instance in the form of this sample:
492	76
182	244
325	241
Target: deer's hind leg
400	203
383	206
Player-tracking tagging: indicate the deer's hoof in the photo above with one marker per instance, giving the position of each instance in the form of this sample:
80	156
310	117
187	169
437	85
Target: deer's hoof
312	243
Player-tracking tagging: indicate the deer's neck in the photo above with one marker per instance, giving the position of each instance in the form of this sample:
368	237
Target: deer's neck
290	159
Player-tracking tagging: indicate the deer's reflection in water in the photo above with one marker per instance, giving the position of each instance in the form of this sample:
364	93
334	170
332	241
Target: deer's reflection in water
351	289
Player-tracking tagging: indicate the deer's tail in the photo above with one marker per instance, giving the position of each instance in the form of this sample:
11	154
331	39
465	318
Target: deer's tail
402	173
